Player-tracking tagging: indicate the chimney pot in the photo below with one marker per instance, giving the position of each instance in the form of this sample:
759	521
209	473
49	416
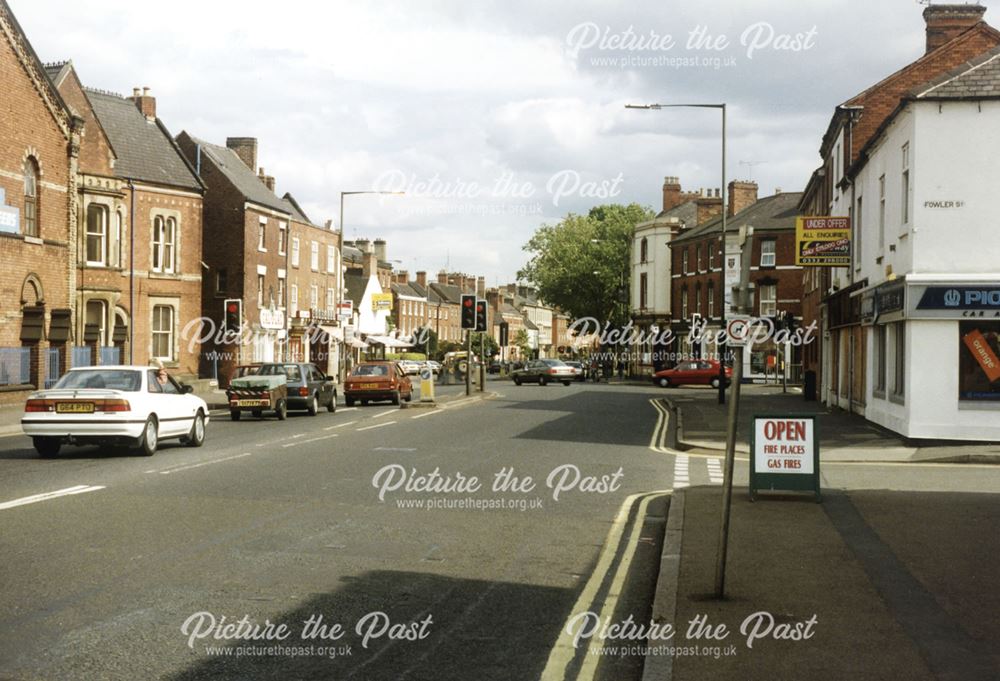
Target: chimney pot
136	92
945	22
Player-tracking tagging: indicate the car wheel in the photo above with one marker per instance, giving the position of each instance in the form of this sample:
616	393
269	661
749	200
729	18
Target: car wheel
349	401
196	438
542	380
281	410
149	439
234	414
664	382
395	397
409	396
517	380
715	383
313	407
566	382
332	406
47	447
364	403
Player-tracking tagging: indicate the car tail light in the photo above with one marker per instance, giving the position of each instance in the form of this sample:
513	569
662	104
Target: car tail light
39	405
112	405
553	372
304	392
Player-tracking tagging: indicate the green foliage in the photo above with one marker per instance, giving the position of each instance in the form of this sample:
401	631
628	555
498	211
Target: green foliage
444	347
492	348
522	342
581	264
428	344
416	356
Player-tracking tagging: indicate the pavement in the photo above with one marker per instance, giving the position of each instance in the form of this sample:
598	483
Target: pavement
700	427
868	584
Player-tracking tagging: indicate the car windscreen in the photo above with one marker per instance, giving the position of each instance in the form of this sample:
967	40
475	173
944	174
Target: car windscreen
371	370
290	371
554	362
101	379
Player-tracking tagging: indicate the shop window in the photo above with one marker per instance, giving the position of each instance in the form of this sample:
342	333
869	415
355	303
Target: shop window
979	361
899	360
881	359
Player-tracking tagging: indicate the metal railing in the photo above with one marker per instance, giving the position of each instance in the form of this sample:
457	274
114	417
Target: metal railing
15	366
52	374
111	355
82	356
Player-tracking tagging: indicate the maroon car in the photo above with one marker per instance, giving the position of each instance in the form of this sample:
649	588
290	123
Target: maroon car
692	372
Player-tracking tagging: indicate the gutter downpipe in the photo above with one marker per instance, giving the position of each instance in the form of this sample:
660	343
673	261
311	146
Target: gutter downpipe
131	272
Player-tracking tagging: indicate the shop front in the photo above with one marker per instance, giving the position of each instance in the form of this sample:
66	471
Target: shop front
934	366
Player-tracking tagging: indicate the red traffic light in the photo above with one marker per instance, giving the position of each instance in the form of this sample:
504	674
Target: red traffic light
232	308
468	302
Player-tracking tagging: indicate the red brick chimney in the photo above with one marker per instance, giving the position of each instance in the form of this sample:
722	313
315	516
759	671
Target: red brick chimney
268	180
422	279
709	206
402	277
742	195
442	277
945	22
671	193
246	149
144	102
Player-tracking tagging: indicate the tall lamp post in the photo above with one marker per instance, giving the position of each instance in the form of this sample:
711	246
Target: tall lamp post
725	215
340	267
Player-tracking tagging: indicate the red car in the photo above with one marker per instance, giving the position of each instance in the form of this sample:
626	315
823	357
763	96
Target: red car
692	372
376	381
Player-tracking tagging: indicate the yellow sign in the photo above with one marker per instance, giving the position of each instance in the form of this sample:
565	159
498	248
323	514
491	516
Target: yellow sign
381	301
822	242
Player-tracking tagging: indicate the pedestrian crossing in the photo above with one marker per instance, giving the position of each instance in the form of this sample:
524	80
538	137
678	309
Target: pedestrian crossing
696	471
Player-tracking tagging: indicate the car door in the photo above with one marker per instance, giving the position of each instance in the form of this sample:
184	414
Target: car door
158	403
323	384
179	412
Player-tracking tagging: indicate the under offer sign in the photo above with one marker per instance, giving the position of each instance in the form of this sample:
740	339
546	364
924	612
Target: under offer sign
785	451
822	242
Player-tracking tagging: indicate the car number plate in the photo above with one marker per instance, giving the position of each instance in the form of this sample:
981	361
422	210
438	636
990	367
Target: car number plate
254	403
369	386
75	408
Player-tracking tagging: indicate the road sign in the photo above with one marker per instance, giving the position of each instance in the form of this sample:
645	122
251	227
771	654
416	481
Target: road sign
822	242
784	454
738	330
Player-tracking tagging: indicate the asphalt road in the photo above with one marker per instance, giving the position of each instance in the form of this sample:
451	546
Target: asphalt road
282	523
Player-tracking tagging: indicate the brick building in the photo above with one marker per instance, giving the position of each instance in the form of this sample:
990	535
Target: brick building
955	34
139	245
696	278
409	305
38	214
247	253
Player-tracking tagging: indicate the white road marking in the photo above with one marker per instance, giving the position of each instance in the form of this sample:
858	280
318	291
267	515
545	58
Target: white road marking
315	439
168	471
429	413
298	435
563	652
681	478
385	413
715	471
347	409
340	425
45	496
377	425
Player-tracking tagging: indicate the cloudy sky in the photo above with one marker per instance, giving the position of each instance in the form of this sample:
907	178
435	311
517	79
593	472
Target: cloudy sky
493	116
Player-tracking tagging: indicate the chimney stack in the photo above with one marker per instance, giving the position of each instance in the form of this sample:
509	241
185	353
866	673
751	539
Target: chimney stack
246	149
481	287
144	102
742	195
671	193
402	277
380	250
709	206
422	279
945	22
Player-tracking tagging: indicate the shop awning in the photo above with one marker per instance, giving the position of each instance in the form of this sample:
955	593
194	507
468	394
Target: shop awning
359	344
334	332
389	342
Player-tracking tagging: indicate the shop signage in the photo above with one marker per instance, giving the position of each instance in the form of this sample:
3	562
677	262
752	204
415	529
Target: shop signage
785	454
956	302
381	302
10	217
345	309
822	242
983	354
271	319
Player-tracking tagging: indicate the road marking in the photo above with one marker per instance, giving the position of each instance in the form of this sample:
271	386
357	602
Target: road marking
45	496
615	590
340	425
395	449
178	469
385	413
315	439
563	652
681	471
347	409
430	413
299	435
377	425
715	471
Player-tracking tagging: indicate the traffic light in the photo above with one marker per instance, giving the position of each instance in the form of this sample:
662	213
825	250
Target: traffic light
233	318
481	321
504	334
469	312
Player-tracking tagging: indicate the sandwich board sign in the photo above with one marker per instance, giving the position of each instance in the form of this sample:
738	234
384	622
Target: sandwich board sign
784	452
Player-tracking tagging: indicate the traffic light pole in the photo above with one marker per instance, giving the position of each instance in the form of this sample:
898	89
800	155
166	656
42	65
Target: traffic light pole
482	362
468	362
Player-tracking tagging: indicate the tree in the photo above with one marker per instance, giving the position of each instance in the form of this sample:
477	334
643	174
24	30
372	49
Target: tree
581	264
522	343
492	348
425	341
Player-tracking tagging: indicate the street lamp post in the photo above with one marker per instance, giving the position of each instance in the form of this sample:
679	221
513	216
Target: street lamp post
340	269
725	216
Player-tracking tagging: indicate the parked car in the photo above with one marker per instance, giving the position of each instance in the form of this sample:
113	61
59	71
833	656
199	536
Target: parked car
246	370
376	381
114	405
578	370
435	366
692	372
308	387
543	371
410	367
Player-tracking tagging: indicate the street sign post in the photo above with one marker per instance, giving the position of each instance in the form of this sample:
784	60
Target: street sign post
784	455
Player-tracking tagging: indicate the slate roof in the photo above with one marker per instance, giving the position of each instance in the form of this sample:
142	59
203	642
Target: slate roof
356	286
448	293
351	254
772	213
507	308
145	149
978	78
293	207
530	325
56	70
686	212
407	290
243	178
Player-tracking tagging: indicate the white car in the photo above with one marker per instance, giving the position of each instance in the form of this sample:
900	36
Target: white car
410	367
115	405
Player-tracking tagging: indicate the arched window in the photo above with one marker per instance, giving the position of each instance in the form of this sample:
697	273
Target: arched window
164	242
31	197
644	250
